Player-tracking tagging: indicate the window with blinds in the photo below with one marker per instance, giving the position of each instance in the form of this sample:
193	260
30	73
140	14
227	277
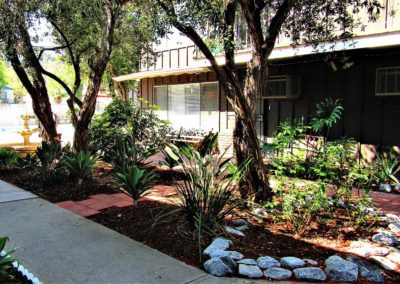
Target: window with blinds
189	105
388	81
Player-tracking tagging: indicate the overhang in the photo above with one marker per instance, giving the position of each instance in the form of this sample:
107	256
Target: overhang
161	73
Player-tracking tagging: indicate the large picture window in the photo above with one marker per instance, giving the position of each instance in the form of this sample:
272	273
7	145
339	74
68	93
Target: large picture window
189	105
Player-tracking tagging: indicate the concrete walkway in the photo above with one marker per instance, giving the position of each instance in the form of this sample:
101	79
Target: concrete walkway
59	246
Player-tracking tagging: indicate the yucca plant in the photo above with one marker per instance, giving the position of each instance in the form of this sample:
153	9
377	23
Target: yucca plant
48	155
328	112
80	165
136	182
6	261
7	157
388	168
29	162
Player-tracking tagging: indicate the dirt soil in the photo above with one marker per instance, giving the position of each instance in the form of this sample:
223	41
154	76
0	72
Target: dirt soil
150	224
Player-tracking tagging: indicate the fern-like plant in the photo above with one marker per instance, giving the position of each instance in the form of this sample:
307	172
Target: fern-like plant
328	113
80	165
136	182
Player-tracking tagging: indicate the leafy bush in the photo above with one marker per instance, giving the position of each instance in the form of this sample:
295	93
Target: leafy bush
7	157
123	120
80	165
135	181
29	162
208	191
48	155
302	206
6	261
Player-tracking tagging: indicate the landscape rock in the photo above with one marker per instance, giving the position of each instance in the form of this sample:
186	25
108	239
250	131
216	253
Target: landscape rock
341	270
310	274
265	262
395	229
385	238
277	273
292	262
385	187
217	267
368	270
250	271
397	186
367	249
384	262
248	261
310	262
234	231
240	222
392	219
235	255
242	228
217	244
261	212
229	262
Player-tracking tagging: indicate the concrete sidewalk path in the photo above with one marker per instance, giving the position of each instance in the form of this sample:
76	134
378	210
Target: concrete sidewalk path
59	246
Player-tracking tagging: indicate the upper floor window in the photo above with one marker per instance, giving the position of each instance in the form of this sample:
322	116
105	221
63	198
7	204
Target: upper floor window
387	81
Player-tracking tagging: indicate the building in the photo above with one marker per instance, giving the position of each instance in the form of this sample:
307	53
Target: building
7	95
364	73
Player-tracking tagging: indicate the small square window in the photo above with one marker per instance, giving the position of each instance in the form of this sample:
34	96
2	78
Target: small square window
387	81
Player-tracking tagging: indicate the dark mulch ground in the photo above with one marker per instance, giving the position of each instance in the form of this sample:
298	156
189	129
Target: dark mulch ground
170	235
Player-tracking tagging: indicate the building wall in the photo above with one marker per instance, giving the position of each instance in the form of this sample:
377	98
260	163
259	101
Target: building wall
367	118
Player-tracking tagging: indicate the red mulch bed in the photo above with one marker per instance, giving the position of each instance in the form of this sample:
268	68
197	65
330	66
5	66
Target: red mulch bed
170	235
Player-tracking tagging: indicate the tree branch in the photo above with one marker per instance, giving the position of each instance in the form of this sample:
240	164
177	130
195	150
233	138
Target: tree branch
229	34
252	13
50	49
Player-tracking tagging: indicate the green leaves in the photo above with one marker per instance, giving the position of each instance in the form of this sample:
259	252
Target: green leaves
328	112
136	181
7	157
6	261
80	165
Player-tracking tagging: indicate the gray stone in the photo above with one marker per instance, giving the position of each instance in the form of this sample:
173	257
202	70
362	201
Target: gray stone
292	262
277	273
385	187
342	204
217	244
251	271
240	222
235	255
242	228
384	262
392	219
368	270
310	262
265	262
341	270
308	201
385	238
397	186
229	262
217	267
233	231
260	212
248	261
394	228
310	274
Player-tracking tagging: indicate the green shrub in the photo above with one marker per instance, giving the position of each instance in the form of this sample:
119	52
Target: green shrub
387	168
29	162
7	157
136	182
123	120
304	205
48	155
208	190
328	112
6	261
80	165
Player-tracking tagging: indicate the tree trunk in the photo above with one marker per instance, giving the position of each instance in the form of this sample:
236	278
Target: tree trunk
97	66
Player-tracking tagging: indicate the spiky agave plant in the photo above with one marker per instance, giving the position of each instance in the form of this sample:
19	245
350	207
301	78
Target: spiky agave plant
7	157
6	261
80	165
136	182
